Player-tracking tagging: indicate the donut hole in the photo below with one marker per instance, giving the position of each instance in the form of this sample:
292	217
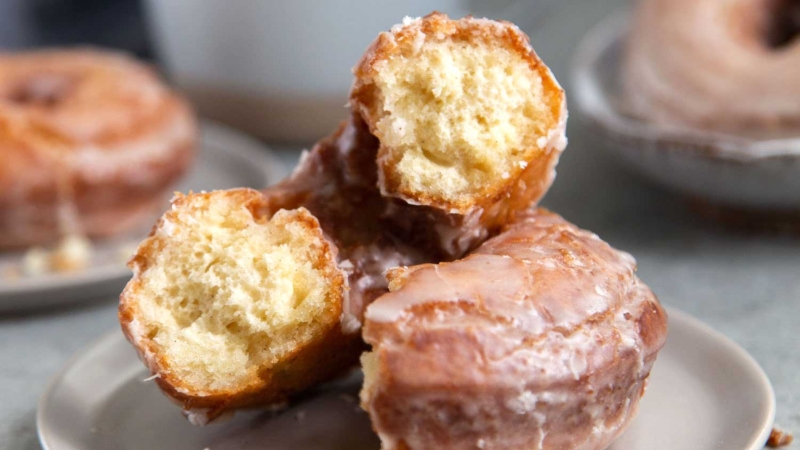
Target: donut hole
229	294
456	116
43	89
785	24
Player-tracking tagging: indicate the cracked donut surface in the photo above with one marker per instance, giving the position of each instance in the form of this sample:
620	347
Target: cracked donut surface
542	338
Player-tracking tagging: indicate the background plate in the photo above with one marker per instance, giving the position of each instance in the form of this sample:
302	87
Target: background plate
740	172
225	159
706	393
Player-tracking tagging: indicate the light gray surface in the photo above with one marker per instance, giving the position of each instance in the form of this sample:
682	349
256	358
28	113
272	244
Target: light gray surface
100	402
746	286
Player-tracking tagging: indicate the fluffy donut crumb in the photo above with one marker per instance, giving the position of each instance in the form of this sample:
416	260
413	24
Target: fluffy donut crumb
222	292
459	107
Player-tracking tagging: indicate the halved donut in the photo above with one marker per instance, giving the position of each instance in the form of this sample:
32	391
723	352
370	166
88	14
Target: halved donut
231	307
464	111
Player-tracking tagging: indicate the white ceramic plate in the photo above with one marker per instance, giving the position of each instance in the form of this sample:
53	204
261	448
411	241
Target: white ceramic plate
730	171
225	159
706	393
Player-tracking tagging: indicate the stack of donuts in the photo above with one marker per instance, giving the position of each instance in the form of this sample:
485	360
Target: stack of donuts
408	240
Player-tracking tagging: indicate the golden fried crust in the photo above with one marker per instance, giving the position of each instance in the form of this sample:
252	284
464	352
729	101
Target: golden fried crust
90	142
329	354
549	339
497	198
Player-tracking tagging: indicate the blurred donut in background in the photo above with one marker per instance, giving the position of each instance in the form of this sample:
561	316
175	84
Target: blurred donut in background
91	143
731	66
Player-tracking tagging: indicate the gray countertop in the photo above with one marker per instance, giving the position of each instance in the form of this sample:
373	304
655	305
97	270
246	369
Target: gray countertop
745	285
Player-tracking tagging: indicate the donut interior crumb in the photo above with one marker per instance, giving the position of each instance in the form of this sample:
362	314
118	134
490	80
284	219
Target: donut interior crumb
73	253
229	292
460	115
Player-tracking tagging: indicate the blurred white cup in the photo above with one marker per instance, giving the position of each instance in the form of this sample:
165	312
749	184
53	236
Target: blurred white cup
280	69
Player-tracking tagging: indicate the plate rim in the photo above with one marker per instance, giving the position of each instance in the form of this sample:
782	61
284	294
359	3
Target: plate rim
211	133
747	362
768	419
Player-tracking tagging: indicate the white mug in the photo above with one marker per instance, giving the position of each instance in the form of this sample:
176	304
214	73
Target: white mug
281	69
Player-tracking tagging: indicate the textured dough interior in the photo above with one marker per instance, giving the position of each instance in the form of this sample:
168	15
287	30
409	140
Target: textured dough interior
460	116
228	295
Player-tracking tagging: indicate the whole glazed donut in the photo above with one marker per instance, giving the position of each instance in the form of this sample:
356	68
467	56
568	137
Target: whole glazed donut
90	142
542	338
730	66
242	298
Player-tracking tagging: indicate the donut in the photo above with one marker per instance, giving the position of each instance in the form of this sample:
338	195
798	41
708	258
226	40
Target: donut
729	66
354	230
90	143
470	121
542	338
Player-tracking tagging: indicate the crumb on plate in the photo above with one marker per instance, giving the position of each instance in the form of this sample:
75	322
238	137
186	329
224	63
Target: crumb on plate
779	438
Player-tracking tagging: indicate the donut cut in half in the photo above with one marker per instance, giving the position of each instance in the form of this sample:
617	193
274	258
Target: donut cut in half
230	307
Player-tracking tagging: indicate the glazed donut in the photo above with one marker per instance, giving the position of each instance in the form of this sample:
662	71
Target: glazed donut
228	316
90	143
730	66
543	338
